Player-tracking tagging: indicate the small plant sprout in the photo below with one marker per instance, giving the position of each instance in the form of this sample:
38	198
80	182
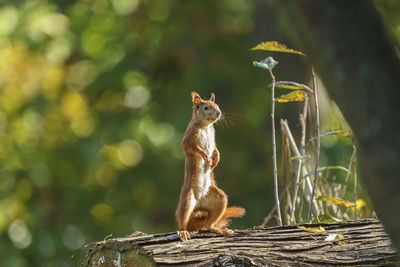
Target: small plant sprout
269	63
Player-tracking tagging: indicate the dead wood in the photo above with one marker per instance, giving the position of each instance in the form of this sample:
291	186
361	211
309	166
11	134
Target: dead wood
365	243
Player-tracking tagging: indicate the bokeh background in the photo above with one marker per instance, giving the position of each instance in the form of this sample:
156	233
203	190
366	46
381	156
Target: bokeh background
94	100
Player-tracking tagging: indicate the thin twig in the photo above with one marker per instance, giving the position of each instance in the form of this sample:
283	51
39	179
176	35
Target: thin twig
286	170
318	144
355	181
303	117
278	210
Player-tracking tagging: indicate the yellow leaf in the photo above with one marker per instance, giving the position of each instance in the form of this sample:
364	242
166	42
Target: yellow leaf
336	201
277	47
340	237
312	230
360	203
298	95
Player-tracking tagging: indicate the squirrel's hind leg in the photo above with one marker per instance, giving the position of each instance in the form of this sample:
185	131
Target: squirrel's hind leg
183	213
216	203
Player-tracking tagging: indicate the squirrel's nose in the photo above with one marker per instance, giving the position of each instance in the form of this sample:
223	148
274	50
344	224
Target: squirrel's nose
218	113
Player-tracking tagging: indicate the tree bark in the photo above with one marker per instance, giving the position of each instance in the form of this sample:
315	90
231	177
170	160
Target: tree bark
356	60
364	243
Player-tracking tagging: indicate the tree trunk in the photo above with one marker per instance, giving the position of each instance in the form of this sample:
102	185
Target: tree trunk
356	60
364	243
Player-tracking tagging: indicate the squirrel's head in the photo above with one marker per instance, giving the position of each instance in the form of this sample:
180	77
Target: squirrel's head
205	111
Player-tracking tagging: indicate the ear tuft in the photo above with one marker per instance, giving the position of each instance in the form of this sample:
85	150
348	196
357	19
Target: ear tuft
212	98
196	99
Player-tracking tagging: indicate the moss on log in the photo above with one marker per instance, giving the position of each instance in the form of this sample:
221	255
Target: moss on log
365	243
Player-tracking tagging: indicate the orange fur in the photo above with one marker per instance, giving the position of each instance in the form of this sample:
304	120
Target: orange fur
202	205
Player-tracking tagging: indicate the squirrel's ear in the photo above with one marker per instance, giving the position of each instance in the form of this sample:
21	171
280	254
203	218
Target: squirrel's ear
196	99
212	98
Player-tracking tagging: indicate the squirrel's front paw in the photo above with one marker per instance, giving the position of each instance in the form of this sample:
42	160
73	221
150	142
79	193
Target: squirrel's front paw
183	235
208	160
214	164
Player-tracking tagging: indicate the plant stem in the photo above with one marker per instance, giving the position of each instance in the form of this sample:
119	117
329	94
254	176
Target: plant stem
355	180
308	186
303	117
318	144
278	210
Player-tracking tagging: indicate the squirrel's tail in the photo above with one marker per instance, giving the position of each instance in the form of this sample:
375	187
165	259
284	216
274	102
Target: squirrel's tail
230	213
233	212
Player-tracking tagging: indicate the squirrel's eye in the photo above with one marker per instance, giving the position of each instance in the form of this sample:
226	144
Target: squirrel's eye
205	107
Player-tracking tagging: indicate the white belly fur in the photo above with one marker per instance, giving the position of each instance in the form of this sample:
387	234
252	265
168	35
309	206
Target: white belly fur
207	143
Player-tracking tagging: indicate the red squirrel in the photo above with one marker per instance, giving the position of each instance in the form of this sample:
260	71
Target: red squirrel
202	205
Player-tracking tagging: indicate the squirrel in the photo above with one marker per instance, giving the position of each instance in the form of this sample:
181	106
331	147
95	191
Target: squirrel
202	205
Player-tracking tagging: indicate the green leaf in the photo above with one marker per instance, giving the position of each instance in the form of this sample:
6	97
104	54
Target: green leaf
295	96
336	201
276	47
300	157
269	63
339	133
325	218
321	169
292	86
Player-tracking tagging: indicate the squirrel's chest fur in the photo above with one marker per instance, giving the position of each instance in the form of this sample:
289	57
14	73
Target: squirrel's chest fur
206	140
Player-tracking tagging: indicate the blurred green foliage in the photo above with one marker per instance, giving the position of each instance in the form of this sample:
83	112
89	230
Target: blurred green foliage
94	100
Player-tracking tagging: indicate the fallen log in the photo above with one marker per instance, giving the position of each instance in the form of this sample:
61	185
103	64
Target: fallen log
361	243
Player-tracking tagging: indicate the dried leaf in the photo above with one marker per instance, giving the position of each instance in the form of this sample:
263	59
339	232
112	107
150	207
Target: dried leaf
295	96
312	230
336	201
277	47
292	86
